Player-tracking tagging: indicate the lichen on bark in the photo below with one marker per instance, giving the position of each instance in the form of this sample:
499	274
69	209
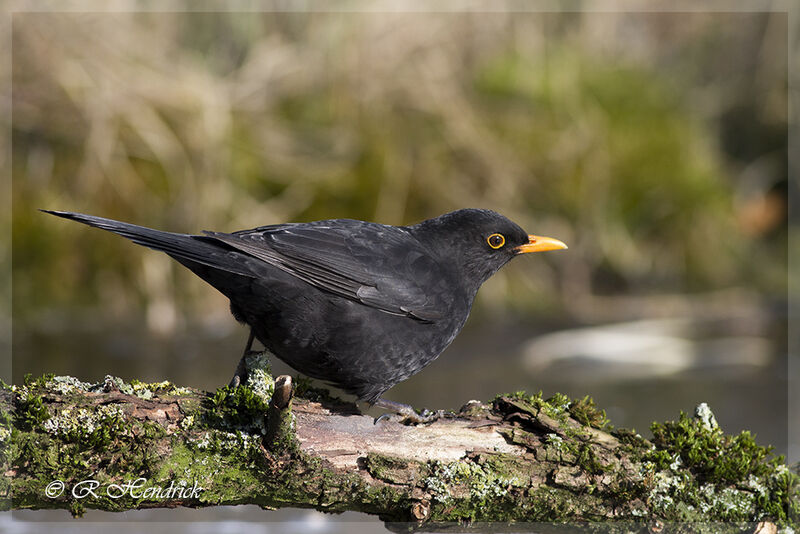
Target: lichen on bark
518	458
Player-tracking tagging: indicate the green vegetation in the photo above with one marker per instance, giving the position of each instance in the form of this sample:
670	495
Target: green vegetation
573	469
709	453
86	441
466	491
587	414
691	471
31	412
711	472
236	408
559	406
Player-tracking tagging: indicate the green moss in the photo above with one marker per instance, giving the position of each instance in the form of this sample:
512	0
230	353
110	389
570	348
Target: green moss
534	400
691	472
38	382
396	470
29	409
632	439
559	406
700	472
148	390
67	385
6	421
466	490
230	464
558	450
222	464
30	412
93	427
500	488
284	438
586	413
709	453
236	408
87	442
588	461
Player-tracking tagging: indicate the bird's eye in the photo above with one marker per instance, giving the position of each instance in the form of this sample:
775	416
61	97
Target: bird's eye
496	240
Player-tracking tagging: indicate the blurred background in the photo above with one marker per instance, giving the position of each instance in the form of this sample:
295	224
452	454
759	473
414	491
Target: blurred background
653	144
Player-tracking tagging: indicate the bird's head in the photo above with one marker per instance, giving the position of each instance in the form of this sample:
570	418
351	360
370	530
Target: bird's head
479	242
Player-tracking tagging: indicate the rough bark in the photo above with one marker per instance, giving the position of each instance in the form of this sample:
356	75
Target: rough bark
118	446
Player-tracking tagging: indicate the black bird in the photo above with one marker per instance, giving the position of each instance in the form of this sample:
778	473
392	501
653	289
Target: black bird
357	304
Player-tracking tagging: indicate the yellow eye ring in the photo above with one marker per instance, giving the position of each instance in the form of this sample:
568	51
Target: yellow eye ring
496	240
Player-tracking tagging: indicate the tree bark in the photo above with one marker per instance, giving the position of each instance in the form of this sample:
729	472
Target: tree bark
117	446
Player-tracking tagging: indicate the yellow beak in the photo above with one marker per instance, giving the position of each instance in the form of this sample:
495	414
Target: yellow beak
539	244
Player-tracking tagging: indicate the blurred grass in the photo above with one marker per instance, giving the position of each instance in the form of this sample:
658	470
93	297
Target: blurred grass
604	130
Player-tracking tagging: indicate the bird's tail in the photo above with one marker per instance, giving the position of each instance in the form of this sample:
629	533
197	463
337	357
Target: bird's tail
193	248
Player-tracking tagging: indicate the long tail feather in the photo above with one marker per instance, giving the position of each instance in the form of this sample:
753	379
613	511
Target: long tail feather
200	249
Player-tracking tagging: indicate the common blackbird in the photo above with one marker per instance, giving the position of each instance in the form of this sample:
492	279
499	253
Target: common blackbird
357	304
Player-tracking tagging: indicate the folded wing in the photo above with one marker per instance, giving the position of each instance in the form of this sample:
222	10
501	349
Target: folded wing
379	266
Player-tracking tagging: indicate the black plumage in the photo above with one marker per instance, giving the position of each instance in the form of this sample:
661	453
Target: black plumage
357	304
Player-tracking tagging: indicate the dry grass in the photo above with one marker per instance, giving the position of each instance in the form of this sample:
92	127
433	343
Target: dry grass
596	128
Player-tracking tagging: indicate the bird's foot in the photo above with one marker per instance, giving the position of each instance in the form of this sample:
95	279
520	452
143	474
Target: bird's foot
240	375
406	414
237	380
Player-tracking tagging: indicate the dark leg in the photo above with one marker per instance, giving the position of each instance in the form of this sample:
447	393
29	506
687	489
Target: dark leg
407	412
240	375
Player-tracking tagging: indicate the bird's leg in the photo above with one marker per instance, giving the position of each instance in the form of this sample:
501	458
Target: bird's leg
407	412
240	375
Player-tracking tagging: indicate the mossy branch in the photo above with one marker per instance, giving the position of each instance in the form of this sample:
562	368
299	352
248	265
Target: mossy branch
119	446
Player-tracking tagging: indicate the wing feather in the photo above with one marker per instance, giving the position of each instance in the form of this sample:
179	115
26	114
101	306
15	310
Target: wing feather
365	262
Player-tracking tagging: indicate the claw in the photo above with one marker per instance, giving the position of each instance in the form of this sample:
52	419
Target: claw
407	413
424	417
384	417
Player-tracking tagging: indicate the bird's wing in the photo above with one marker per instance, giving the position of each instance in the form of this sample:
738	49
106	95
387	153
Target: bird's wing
380	266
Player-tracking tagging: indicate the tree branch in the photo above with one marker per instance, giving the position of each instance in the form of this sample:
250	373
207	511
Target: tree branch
118	446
